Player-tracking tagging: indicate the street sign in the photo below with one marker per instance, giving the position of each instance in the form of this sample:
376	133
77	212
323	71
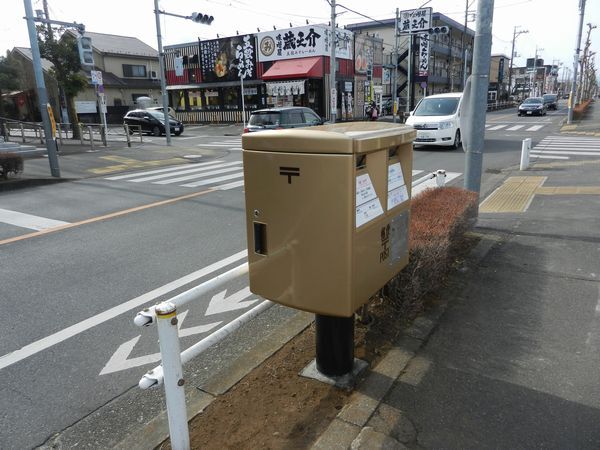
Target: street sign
96	76
333	100
52	121
414	21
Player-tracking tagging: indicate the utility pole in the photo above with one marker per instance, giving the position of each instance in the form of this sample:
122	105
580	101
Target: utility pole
512	55
477	102
332	88
409	74
463	45
576	62
41	90
163	74
395	79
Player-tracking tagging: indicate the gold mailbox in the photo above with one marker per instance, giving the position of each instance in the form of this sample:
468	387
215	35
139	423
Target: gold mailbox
327	213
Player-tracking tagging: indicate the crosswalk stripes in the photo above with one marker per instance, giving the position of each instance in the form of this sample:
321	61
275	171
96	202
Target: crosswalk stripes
218	175
511	127
234	143
566	147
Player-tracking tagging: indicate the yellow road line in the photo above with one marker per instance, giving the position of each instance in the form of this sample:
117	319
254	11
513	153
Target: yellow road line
514	195
128	163
104	217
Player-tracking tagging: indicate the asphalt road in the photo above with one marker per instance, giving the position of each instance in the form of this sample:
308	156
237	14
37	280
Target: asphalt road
129	239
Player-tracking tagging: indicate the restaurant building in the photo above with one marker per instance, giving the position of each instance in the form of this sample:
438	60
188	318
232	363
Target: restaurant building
290	67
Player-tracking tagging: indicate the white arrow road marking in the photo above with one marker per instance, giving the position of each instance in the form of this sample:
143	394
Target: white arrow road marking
120	359
220	303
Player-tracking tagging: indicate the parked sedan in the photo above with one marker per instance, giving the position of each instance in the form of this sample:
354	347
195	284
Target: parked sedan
151	122
532	106
284	117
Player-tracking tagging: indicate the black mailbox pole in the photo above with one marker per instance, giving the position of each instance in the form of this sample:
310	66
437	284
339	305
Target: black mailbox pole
335	345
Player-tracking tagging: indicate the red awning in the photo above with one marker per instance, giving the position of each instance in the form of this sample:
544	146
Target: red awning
295	68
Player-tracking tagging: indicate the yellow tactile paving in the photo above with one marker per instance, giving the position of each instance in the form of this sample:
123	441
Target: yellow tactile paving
569	190
514	195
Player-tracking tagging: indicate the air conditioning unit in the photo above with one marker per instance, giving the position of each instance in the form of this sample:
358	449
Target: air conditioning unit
153	75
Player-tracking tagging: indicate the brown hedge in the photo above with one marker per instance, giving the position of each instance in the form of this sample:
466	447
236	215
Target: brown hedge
439	219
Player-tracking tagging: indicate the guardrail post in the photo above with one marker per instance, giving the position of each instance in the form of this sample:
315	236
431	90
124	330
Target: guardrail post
127	136
168	338
91	133
80	132
525	148
103	135
42	136
440	178
22	133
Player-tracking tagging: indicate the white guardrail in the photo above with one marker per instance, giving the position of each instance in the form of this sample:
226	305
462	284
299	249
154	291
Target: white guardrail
170	372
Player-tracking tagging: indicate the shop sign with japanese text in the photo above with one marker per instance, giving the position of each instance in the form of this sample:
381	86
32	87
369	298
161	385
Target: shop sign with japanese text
228	59
414	20
423	55
300	42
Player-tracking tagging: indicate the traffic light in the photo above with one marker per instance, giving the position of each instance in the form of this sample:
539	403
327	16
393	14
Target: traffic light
439	30
202	18
86	52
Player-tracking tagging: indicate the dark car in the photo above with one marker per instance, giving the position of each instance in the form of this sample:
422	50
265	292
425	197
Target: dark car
284	117
151	122
551	101
532	106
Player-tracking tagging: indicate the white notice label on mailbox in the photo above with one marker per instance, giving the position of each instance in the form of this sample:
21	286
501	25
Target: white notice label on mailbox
368	211
364	189
397	196
395	176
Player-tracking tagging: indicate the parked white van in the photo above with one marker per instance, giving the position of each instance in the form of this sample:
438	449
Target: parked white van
436	119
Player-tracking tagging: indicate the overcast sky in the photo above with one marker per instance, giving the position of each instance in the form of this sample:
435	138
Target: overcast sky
552	24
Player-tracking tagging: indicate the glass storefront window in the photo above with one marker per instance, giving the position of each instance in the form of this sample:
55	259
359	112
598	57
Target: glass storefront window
195	99
230	97
212	99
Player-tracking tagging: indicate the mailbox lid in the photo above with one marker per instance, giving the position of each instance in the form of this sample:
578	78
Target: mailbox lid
339	138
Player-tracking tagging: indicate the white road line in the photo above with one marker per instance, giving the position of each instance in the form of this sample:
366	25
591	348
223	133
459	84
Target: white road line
217	145
78	328
540	156
497	127
29	221
214	180
487	125
515	128
567	147
535	128
416	172
196	176
558	152
225	187
182	172
168	169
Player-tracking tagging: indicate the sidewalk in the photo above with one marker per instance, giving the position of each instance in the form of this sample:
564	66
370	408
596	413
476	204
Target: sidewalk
511	359
78	161
588	125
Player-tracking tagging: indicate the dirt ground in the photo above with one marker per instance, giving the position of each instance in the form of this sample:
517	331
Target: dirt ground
275	408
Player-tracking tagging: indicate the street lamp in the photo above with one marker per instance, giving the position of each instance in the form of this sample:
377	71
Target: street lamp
512	55
195	17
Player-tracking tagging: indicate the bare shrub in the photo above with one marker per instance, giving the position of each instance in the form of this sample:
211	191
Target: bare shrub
439	219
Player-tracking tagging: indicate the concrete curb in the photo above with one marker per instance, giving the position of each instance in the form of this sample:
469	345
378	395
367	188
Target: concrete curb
351	426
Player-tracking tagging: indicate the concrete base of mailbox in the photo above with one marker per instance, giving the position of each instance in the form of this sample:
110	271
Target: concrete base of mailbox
345	381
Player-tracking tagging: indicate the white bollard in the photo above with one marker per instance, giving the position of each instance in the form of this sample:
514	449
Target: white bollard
440	178
525	148
166	315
